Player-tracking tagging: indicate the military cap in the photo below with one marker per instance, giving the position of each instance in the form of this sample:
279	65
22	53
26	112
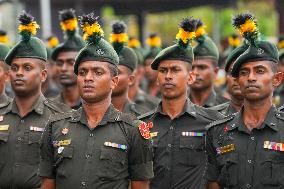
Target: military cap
96	49
72	40
258	50
154	46
205	47
182	50
118	39
28	46
136	46
280	43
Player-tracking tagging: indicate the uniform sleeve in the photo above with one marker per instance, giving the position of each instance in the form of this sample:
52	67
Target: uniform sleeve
212	172
140	157
46	167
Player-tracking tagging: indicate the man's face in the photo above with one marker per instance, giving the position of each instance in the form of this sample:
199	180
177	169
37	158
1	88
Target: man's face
123	81
27	75
233	86
205	73
3	76
257	80
95	81
173	78
150	74
65	66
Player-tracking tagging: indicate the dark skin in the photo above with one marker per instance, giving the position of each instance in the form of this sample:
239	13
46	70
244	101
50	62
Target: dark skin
65	66
27	76
151	76
4	76
203	86
134	86
120	93
234	90
95	84
174	76
257	81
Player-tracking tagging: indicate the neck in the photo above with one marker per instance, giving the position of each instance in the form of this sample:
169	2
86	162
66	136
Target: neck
26	103
119	101
237	103
70	95
133	90
96	111
173	107
255	112
153	88
199	97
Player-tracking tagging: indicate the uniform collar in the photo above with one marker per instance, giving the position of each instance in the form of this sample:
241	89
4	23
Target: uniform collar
188	107
211	99
38	106
140	96
270	121
110	116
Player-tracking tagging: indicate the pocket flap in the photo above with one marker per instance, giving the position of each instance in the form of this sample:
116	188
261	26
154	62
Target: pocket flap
113	154
194	143
4	136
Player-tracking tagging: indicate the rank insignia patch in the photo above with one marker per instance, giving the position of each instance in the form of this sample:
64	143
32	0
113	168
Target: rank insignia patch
144	129
225	149
4	127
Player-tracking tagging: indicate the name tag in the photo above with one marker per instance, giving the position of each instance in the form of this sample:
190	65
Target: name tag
4	127
226	149
194	134
273	146
38	129
61	143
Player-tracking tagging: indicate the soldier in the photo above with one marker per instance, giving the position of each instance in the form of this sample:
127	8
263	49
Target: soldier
96	141
177	125
135	93
154	47
233	88
22	121
4	99
278	95
205	66
64	56
127	64
245	149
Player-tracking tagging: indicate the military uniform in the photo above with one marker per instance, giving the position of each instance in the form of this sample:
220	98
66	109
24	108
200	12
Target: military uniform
225	108
239	158
278	96
4	99
147	101
19	142
59	99
106	156
179	146
134	109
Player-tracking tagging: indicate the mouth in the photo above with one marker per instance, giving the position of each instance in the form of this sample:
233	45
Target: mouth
64	77
87	88
168	85
19	81
252	87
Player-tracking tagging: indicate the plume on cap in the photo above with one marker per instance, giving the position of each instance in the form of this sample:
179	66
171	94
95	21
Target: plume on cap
52	41
4	37
134	42
68	21
119	37
200	31
280	43
186	32
246	24
91	28
234	40
154	40
28	26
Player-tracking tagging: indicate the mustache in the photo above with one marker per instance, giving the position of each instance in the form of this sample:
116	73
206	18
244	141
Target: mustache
19	79
252	85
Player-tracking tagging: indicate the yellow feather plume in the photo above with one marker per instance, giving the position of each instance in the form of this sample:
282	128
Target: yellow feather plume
280	44
200	31
4	39
248	26
154	41
91	29
120	38
70	24
234	42
134	43
31	27
185	36
52	42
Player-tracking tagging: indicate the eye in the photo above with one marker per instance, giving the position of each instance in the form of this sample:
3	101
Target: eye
260	71
162	70
99	73
71	61
82	72
243	72
14	68
28	68
59	63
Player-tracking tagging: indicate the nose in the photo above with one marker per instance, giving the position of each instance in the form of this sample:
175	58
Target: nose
20	72
89	76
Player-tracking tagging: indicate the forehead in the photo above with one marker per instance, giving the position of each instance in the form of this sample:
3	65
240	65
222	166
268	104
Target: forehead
204	61
93	65
255	64
67	54
171	63
19	61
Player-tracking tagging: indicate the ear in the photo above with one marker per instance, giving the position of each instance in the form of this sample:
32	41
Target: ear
114	82
277	79
191	78
43	75
131	80
216	69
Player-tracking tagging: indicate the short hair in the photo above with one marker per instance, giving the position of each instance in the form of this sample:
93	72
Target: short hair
274	67
113	70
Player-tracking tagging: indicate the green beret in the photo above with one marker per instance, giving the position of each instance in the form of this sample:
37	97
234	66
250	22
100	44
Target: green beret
4	49
281	54
128	58
96	49
152	52
182	50
139	55
206	48
234	54
261	51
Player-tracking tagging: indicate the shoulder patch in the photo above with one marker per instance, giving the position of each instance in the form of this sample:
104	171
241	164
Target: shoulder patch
56	106
220	121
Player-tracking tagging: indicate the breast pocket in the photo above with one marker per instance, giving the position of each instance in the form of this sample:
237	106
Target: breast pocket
229	167
272	169
63	164
192	150
4	136
32	150
113	164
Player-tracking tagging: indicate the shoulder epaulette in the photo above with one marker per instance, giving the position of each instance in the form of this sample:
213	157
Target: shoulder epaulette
209	113
5	104
220	121
126	118
150	113
220	107
60	116
58	107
